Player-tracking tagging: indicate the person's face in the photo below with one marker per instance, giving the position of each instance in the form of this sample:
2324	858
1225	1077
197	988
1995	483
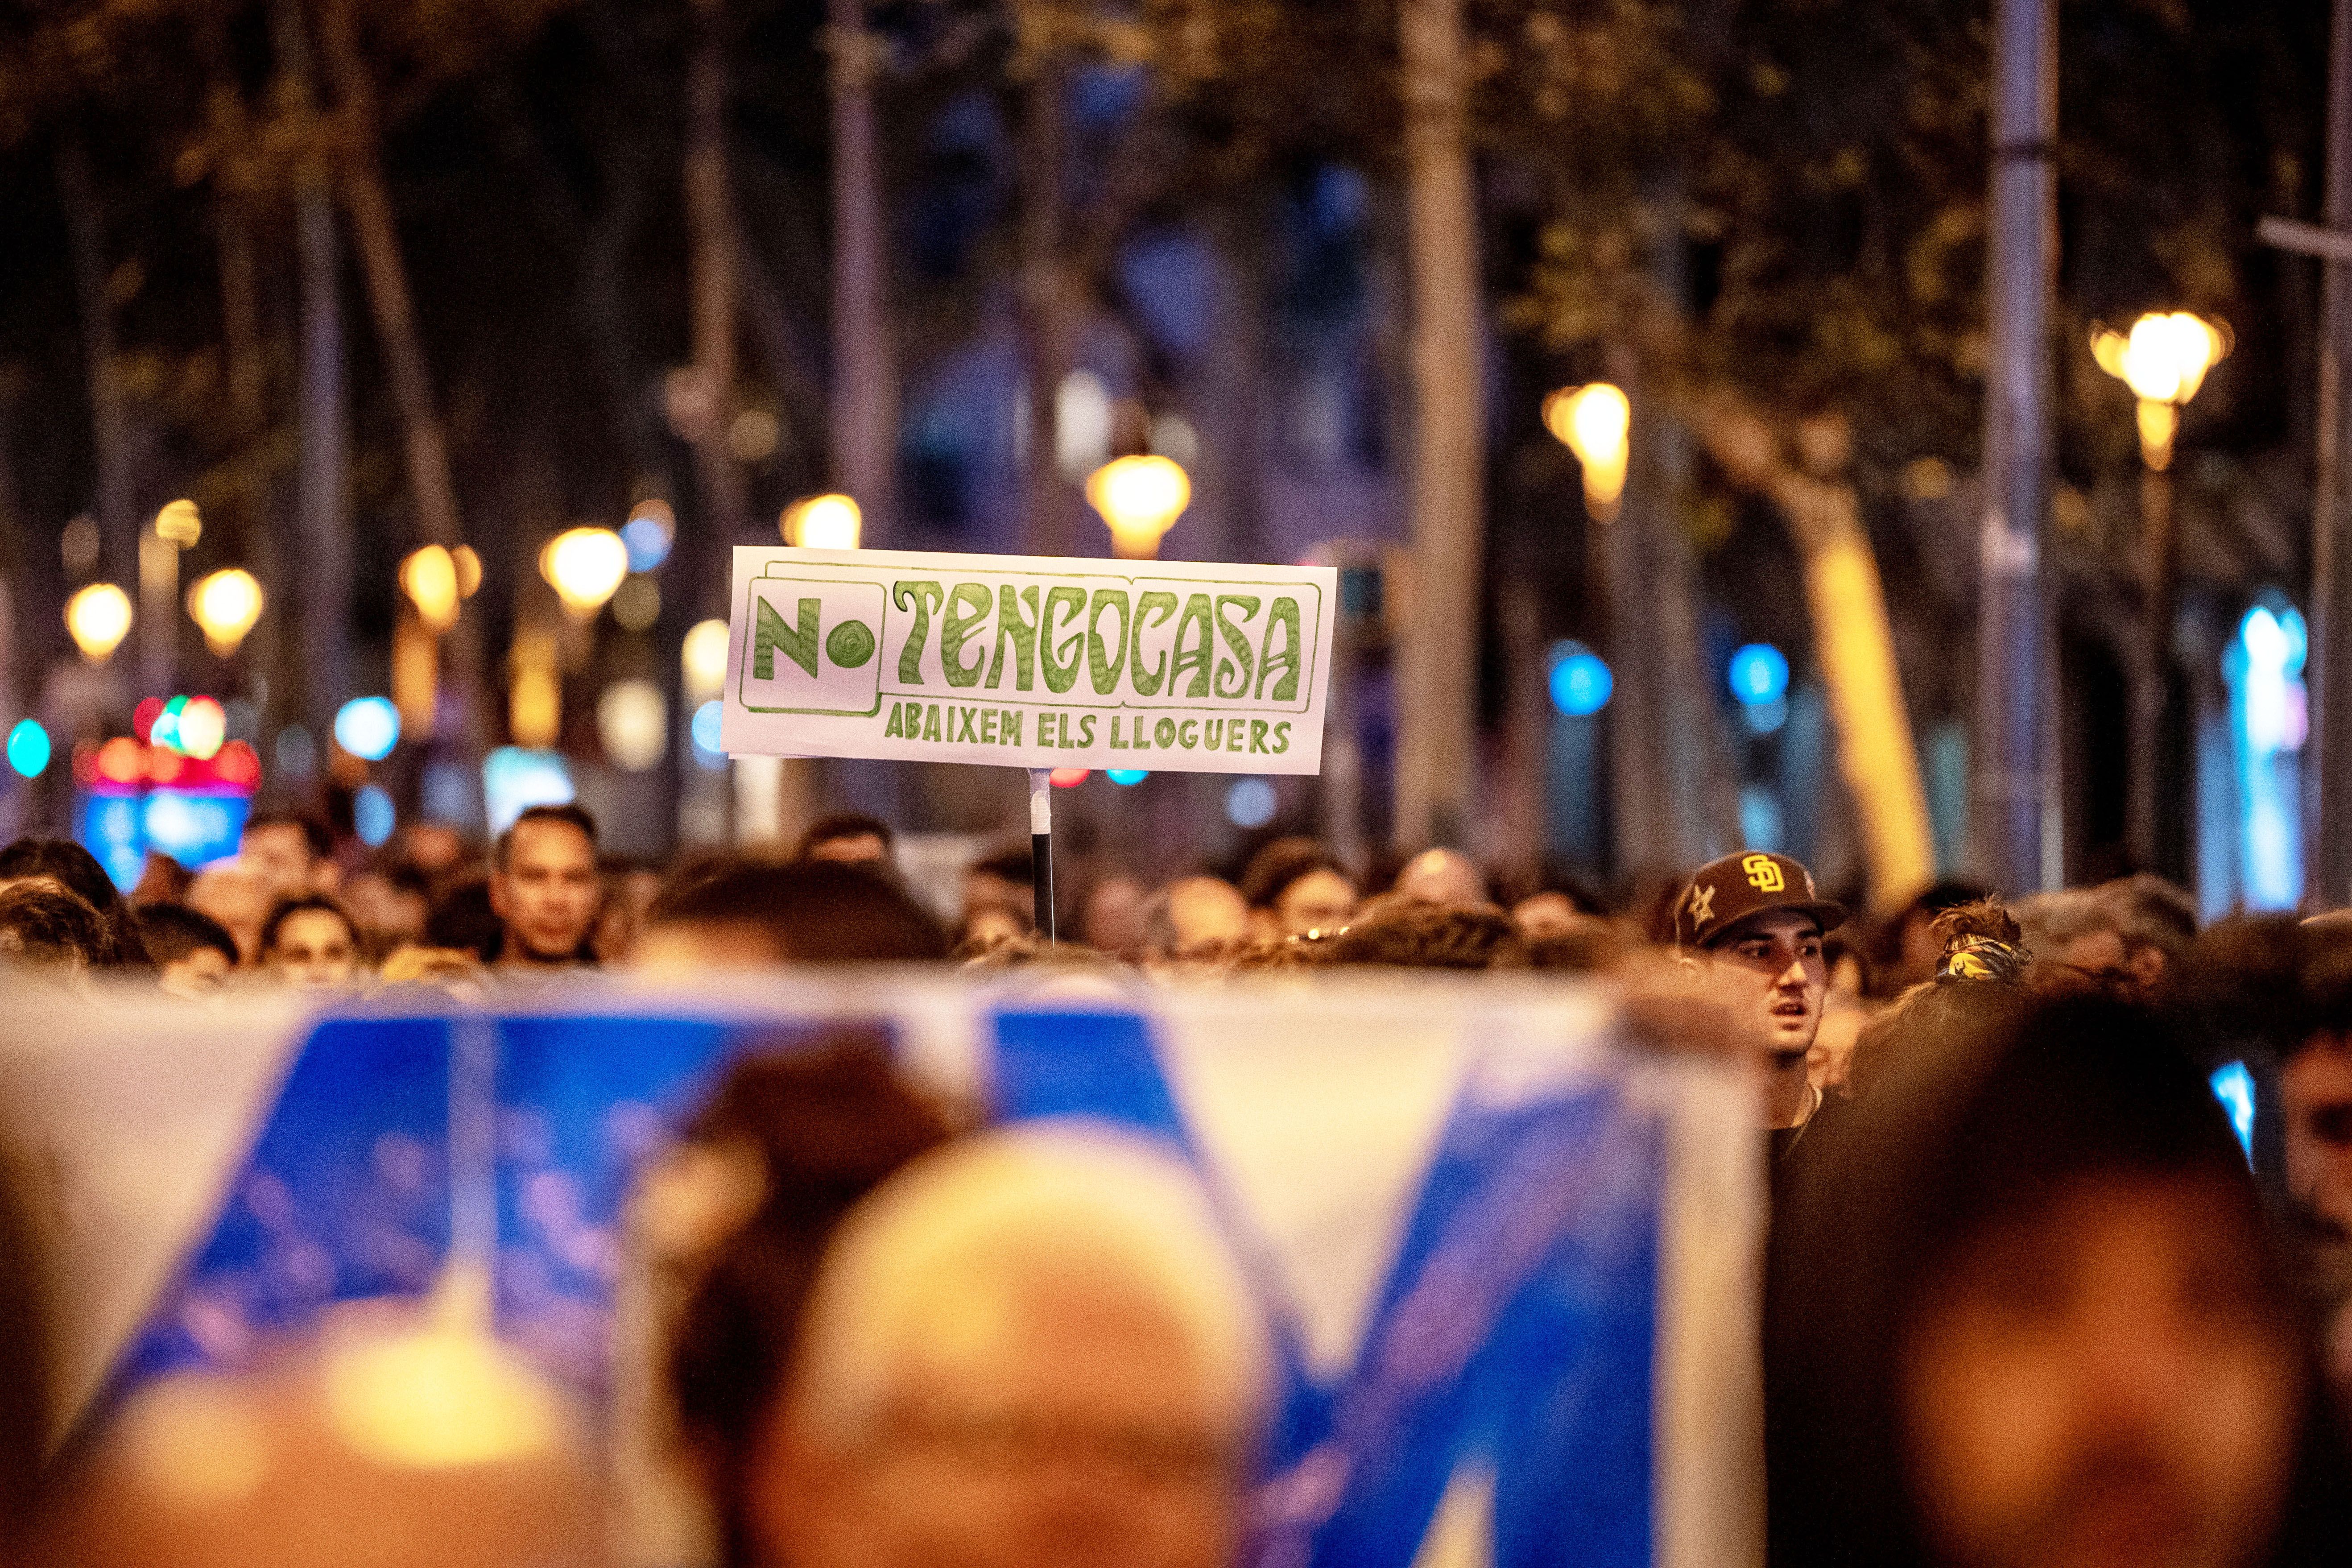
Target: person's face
1320	901
857	849
395	913
279	854
1052	1425
200	974
2102	1383
2316	1102
1210	920
314	950
548	892
1770	971
240	902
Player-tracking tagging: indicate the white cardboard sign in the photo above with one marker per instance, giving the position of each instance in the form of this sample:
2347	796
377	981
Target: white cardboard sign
1028	661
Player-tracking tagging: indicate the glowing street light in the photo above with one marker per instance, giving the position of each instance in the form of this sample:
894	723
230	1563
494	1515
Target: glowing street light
429	578
98	618
2163	360
585	567
704	659
823	523
1595	422
1141	498
225	604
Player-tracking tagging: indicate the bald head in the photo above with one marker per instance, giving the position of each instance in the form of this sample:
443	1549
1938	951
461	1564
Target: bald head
1442	877
1198	918
1030	1347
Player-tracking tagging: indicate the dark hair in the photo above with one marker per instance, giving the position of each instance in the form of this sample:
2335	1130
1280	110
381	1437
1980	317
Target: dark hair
828	1120
1016	866
1409	934
845	825
42	924
576	815
77	870
287	909
320	842
1274	869
172	932
812	911
1986	1120
461	917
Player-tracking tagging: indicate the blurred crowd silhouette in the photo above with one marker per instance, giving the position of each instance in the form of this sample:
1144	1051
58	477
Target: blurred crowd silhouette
2038	1289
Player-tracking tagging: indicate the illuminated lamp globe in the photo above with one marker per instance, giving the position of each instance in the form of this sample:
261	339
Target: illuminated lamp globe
585	566
226	604
704	658
1596	423
633	722
1139	499
202	730
429	578
469	570
823	522
368	728
98	618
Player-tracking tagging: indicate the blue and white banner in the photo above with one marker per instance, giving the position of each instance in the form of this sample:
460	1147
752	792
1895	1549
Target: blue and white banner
1509	1265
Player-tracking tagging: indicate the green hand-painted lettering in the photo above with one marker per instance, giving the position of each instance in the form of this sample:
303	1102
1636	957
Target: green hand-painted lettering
1104	659
1197	660
1146	682
968	609
1061	664
1236	643
917	594
1021	632
1283	618
770	633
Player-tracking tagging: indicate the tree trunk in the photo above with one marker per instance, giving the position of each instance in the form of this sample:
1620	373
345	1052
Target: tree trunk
322	530
1436	760
118	506
1048	335
432	490
865	394
711	237
323	485
2013	823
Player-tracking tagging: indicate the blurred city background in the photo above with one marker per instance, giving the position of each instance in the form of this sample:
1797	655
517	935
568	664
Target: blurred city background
383	383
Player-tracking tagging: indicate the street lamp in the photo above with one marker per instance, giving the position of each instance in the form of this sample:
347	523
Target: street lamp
225	604
2163	359
429	578
1141	499
823	523
703	659
1594	422
98	618
584	566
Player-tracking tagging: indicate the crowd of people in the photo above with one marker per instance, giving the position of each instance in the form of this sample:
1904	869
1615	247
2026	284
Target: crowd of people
2032	1296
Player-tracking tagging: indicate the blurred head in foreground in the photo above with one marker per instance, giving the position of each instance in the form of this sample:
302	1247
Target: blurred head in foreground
387	1445
1028	1348
2022	1312
747	915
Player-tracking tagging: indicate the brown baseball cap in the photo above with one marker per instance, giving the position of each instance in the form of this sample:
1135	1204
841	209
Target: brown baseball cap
1722	893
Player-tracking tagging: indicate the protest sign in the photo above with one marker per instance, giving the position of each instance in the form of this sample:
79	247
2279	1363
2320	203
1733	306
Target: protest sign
1028	661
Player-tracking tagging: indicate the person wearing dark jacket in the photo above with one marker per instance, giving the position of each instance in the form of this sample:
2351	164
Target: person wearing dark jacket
2021	1310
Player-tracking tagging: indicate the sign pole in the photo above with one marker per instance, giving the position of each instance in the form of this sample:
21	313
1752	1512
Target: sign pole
1041	848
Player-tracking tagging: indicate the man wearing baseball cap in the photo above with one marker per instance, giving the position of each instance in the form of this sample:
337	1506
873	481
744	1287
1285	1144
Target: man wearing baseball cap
1751	925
